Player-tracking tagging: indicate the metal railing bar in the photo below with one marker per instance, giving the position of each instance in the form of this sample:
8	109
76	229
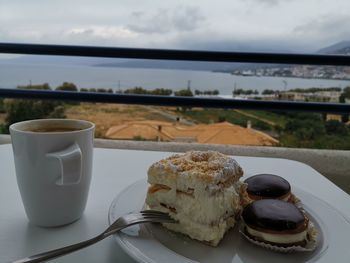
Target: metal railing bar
337	108
171	54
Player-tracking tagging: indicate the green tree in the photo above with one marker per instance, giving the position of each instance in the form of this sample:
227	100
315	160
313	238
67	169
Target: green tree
305	129
67	86
268	92
44	86
27	109
221	118
345	118
162	92
345	94
3	129
2	107
136	90
23	109
237	91
198	92
336	127
84	90
184	93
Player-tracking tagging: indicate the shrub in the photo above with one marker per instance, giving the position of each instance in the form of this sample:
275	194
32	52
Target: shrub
136	90
336	127
21	110
67	86
44	86
268	92
3	129
2	107
221	118
184	93
139	138
305	129
163	92
345	118
260	125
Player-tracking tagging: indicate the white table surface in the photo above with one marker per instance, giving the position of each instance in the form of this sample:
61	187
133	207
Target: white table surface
113	171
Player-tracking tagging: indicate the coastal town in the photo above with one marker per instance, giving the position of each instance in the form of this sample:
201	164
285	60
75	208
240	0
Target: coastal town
303	71
331	95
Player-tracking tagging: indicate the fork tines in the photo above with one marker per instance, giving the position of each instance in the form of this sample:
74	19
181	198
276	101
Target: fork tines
155	213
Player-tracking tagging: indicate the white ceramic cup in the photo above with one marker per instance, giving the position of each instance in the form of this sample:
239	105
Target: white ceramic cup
53	169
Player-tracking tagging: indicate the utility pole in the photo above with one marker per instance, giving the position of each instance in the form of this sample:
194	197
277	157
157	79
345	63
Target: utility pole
285	83
119	91
189	84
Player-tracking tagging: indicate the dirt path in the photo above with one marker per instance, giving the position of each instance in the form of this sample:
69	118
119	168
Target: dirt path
169	115
256	117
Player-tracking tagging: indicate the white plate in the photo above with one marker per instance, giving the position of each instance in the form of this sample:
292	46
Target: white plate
153	243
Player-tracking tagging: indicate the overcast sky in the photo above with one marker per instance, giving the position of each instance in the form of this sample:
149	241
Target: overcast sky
274	25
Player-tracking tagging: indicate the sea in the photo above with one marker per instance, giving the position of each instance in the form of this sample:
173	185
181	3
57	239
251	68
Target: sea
12	75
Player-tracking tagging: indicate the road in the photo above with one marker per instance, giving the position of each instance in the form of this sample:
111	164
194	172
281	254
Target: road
169	115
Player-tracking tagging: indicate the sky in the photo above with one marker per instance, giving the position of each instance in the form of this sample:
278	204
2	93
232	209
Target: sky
250	25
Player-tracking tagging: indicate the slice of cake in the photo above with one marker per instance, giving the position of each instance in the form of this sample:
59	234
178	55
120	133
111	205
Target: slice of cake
201	190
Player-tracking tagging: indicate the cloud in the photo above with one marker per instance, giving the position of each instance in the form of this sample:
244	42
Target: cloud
180	19
326	27
22	33
266	2
106	32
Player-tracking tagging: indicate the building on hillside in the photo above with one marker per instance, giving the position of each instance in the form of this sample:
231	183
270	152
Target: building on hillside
335	117
218	133
325	96
318	96
291	96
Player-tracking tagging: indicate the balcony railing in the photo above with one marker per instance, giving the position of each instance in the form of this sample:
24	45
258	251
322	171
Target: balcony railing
187	55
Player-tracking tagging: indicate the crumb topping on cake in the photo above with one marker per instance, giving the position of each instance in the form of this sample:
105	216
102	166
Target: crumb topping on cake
210	166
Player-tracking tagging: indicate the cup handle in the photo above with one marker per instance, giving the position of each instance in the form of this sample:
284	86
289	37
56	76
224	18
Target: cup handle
71	164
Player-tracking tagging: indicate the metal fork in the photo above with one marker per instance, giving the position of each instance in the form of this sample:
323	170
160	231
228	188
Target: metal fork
147	216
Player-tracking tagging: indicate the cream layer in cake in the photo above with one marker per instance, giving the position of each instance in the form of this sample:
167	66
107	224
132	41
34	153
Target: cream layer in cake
278	238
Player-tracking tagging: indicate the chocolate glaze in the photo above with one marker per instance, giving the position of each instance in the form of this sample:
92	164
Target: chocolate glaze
275	215
267	186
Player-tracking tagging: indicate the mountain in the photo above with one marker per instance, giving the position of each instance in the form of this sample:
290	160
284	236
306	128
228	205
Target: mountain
340	48
59	60
171	64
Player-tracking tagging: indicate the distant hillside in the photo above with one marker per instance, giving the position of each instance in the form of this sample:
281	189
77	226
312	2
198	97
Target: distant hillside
169	64
340	48
58	60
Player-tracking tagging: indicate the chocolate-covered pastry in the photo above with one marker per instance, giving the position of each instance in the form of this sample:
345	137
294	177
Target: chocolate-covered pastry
275	222
267	186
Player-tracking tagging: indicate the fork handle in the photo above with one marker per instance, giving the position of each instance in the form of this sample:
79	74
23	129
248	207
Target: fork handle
60	251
